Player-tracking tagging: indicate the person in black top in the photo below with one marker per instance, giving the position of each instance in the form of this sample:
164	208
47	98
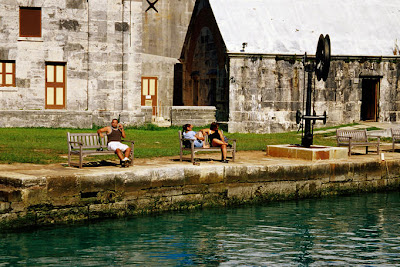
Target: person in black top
114	135
216	139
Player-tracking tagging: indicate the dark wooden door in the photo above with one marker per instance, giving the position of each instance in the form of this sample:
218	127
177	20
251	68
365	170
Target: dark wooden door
370	99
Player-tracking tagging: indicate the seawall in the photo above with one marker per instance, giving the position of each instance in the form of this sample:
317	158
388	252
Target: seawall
56	194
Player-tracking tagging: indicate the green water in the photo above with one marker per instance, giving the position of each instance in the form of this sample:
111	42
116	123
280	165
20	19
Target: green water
342	231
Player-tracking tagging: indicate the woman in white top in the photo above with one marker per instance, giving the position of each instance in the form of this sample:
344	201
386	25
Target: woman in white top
198	138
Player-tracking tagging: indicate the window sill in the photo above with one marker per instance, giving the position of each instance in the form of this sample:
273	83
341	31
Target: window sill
30	39
8	89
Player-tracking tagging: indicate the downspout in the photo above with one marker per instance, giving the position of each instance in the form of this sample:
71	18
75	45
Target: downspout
87	62
122	58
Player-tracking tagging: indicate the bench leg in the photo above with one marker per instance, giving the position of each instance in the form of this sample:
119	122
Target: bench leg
80	159
181	154
349	151
366	150
69	159
132	155
393	146
192	155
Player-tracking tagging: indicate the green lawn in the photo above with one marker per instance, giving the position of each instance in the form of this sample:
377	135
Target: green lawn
44	146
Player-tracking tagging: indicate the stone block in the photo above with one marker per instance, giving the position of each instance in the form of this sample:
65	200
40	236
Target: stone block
4	207
163	192
189	199
34	196
10	195
133	181
195	189
167	177
240	191
58	187
57	216
91	183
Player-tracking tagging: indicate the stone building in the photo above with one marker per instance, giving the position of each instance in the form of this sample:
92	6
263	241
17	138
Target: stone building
164	31
72	62
75	63
245	58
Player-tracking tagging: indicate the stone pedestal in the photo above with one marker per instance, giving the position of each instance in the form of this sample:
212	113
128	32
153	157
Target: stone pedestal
312	153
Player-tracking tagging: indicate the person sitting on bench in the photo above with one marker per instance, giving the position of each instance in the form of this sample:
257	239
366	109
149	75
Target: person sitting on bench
216	139
114	134
198	138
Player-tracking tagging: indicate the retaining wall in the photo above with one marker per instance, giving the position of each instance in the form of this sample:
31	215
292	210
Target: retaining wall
65	198
196	115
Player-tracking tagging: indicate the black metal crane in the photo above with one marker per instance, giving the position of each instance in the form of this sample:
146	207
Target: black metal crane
321	69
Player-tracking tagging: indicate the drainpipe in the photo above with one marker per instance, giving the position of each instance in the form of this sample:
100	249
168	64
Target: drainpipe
87	63
122	58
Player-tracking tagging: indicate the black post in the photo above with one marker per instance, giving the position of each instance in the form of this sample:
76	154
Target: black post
307	139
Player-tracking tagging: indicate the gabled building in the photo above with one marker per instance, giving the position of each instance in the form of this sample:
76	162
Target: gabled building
245	57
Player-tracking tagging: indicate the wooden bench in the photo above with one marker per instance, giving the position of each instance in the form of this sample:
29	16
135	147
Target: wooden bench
353	138
197	149
85	144
395	136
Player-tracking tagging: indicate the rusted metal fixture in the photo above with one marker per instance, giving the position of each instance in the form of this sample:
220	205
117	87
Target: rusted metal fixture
321	69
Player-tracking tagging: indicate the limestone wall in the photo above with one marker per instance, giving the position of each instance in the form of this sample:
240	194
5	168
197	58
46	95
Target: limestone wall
163	36
67	119
196	115
266	92
164	32
26	199
99	42
163	69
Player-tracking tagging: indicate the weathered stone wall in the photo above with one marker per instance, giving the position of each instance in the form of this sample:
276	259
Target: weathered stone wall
205	80
163	36
163	69
164	32
265	92
98	40
196	115
67	119
29	200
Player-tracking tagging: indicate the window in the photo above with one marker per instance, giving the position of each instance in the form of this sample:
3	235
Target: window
30	22
7	73
55	85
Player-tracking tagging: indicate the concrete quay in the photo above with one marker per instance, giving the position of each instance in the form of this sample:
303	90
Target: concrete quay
33	195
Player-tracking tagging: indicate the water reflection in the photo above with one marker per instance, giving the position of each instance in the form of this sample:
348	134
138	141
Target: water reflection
334	231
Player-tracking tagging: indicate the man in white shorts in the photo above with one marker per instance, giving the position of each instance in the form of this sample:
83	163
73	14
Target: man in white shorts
114	135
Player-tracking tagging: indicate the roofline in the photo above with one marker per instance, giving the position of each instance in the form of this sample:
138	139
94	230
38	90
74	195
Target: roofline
296	56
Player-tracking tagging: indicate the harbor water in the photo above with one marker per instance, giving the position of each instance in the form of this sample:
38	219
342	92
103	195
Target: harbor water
344	230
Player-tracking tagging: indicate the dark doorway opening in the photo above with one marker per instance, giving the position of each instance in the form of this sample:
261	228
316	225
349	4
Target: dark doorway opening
370	99
195	83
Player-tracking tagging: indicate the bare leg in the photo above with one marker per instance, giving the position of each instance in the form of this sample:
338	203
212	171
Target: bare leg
119	154
204	142
222	144
127	152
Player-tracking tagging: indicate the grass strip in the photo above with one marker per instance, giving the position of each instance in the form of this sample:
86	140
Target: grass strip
46	146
